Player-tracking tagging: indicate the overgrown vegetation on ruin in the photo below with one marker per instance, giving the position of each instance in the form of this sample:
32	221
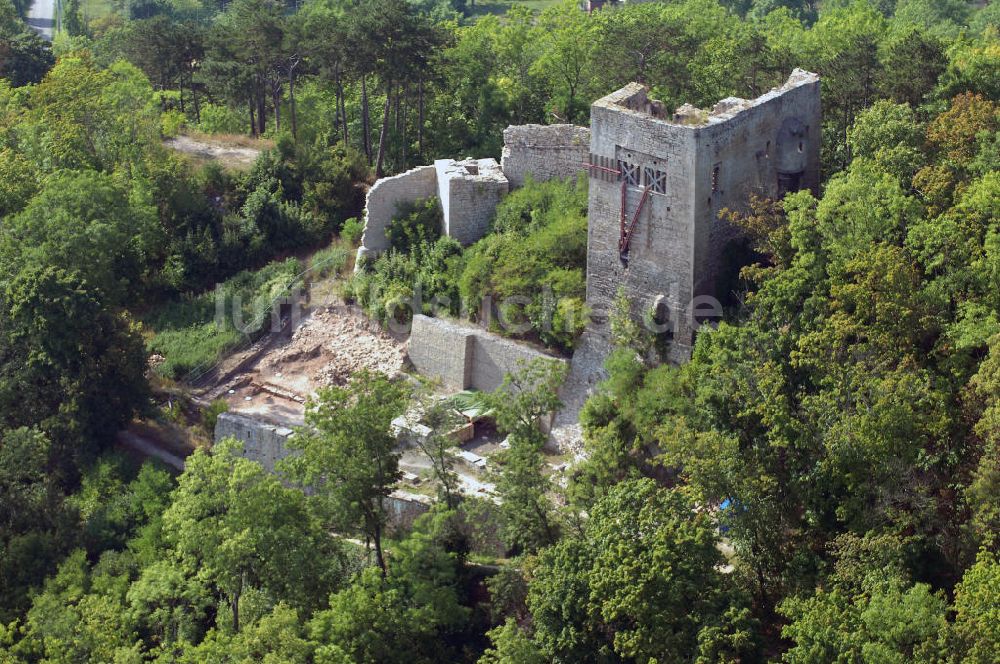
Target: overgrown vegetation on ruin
527	276
819	484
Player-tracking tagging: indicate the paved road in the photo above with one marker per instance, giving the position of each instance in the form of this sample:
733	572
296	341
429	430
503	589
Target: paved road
42	17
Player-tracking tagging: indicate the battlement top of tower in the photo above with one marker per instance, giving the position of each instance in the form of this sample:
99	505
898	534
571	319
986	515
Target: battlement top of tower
634	98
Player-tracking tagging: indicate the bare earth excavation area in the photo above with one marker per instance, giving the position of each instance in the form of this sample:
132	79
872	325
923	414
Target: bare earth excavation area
273	379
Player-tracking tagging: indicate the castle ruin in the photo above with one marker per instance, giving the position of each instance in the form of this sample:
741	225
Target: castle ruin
658	182
470	189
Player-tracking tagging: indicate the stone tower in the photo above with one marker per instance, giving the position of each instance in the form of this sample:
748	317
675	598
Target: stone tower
658	182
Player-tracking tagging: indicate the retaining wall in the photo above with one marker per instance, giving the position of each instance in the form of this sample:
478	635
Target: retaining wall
466	357
266	444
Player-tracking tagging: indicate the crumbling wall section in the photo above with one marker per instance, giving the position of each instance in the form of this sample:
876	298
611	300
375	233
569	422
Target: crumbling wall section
262	442
266	444
766	146
385	197
466	357
545	152
470	191
403	509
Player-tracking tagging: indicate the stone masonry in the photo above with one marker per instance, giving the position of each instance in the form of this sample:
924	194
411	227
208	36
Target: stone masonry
385	197
544	152
658	183
262	442
266	444
469	191
464	356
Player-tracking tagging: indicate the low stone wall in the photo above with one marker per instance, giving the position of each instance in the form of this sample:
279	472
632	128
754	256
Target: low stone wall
384	198
262	442
545	152
404	508
466	357
266	444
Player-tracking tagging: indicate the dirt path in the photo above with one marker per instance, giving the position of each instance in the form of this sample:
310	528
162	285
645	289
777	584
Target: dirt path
150	449
209	150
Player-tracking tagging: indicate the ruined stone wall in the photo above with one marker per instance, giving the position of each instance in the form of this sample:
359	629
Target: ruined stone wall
661	255
469	191
403	508
766	146
466	357
695	163
385	197
266	444
544	152
262	442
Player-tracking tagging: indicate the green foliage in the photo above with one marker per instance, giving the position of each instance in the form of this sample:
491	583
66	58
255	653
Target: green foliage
27	57
87	223
975	633
80	363
425	280
519	405
846	416
210	415
890	135
870	612
415	224
640	583
351	231
114	502
171	123
190	338
236	527
403	617
328	262
217	119
348	454
533	266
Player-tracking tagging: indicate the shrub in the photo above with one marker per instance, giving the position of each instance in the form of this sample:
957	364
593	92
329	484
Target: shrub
210	415
171	123
218	119
351	231
187	334
328	262
431	268
415	223
538	256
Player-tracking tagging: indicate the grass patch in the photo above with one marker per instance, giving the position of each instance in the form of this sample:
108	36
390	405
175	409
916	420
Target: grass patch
94	9
329	262
231	140
187	333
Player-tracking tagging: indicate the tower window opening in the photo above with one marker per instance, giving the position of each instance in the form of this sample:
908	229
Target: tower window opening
629	173
656	180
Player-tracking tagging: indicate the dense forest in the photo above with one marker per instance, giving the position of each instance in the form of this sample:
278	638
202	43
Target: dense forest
820	483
